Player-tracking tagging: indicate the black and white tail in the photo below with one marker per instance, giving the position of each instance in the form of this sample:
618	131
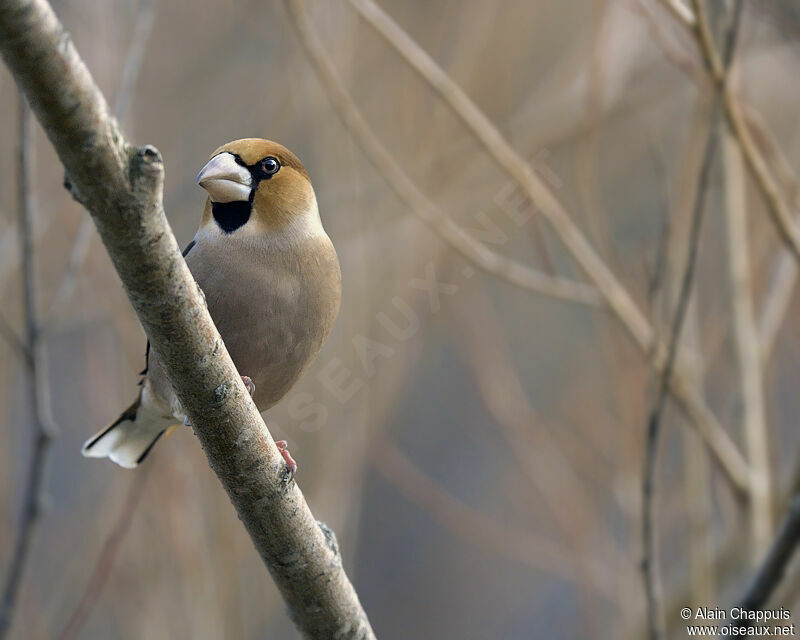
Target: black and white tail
130	438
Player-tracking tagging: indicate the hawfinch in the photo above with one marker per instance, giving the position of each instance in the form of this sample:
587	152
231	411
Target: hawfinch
271	281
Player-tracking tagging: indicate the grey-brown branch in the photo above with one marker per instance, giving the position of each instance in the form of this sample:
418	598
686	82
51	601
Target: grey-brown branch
122	187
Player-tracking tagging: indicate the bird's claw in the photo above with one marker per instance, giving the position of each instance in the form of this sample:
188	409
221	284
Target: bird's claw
73	190
291	465
249	385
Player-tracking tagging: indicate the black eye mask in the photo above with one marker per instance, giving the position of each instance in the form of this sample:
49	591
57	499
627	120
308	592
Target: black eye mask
232	215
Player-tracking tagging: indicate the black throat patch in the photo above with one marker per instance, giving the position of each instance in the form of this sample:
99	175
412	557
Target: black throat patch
231	215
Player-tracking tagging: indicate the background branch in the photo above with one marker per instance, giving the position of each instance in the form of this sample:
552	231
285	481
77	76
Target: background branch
35	379
784	269
748	351
649	542
680	11
12	339
724	451
106	557
650	554
473	250
122	187
771	571
718	67
696	472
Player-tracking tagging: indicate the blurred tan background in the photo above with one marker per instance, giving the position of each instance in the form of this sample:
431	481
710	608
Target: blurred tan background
478	450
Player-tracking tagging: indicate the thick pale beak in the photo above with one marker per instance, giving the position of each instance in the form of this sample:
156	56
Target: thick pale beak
225	180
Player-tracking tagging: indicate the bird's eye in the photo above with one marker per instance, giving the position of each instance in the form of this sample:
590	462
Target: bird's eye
270	165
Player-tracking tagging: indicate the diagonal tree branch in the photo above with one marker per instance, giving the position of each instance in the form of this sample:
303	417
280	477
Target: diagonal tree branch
722	448
122	187
127	84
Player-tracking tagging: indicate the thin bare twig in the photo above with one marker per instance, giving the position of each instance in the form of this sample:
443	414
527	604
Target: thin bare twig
705	37
771	571
780	212
513	163
658	271
748	350
649	543
9	334
473	250
784	270
105	560
649	559
696	470
723	449
681	56
724	553
681	12
697	486
36	378
776	304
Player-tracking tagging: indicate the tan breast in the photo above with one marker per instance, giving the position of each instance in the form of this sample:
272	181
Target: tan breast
274	307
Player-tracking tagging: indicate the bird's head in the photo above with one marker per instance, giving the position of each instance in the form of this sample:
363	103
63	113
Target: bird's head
258	183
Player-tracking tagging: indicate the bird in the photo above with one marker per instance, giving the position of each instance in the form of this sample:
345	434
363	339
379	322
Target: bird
272	283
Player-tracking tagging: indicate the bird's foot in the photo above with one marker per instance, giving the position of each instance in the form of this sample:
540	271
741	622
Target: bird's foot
249	385
291	465
73	190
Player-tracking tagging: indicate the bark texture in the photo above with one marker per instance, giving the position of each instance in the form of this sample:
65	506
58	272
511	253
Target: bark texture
121	186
